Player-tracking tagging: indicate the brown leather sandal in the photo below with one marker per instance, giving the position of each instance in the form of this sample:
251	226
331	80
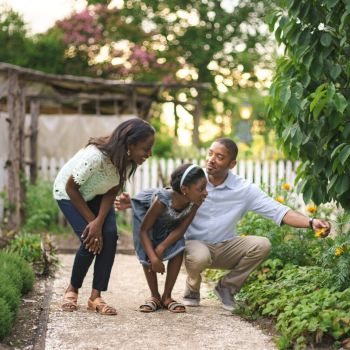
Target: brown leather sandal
99	305
70	301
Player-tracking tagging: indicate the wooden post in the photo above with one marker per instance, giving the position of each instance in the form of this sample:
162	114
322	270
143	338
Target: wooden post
134	102
196	118
16	187
34	113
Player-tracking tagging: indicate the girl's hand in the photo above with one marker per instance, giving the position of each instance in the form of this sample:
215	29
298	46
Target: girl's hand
157	266
159	250
123	201
92	236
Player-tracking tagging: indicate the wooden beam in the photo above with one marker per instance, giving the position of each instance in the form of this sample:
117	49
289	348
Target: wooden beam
16	187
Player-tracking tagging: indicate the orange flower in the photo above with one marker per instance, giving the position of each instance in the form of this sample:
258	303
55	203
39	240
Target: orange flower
286	186
320	232
339	251
280	199
311	208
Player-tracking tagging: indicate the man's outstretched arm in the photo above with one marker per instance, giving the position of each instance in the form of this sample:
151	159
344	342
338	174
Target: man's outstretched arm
295	219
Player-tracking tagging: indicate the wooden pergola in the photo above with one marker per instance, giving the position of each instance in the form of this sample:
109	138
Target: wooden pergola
24	90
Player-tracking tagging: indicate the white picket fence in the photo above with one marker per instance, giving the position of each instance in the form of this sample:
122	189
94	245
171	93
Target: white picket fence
156	172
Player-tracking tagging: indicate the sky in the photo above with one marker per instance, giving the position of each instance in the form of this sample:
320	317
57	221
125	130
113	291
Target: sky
42	14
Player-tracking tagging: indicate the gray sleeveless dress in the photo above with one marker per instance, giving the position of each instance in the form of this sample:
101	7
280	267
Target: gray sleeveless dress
164	225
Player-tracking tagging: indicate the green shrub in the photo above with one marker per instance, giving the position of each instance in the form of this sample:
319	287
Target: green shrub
16	278
8	268
40	207
302	300
9	293
6	318
27	274
27	245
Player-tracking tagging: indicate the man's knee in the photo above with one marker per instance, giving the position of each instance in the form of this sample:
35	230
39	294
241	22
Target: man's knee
197	260
264	245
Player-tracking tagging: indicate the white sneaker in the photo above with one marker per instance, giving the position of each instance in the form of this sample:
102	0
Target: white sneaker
191	298
225	297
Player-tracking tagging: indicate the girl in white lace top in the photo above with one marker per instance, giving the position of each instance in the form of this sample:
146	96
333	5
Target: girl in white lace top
85	189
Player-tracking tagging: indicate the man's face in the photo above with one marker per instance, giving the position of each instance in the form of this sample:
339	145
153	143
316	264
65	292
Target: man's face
219	160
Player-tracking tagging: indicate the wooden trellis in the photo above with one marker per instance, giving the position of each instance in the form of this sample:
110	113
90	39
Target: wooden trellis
24	90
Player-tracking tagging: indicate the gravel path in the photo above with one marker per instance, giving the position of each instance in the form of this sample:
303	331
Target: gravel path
206	327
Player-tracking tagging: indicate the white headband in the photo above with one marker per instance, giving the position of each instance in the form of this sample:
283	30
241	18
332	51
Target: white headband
186	173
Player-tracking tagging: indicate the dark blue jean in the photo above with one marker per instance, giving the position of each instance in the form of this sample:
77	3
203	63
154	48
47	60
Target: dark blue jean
83	258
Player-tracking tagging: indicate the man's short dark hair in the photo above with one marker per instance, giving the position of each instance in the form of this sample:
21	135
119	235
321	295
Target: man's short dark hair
230	145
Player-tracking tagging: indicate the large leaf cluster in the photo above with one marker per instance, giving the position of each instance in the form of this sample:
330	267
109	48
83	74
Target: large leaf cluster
310	94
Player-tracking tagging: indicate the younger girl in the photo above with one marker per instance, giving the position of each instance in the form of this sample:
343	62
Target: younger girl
85	189
160	219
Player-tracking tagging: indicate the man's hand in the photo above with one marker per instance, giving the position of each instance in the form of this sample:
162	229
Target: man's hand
123	201
92	236
321	227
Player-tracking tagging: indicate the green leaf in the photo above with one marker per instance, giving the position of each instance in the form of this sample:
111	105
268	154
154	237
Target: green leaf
319	107
307	194
326	39
343	20
334	71
285	94
332	182
346	131
344	154
331	3
337	149
340	102
342	184
319	93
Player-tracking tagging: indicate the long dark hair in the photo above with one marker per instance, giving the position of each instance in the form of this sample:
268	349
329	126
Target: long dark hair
115	146
192	177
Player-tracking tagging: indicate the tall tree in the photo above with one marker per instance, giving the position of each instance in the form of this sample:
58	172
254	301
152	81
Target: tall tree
213	42
310	95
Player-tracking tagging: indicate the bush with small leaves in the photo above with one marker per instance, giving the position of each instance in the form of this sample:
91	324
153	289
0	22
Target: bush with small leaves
6	318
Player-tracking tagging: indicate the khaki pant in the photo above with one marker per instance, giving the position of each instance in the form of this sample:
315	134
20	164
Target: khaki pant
241	255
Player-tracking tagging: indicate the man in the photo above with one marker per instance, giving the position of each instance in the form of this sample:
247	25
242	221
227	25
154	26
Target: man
211	240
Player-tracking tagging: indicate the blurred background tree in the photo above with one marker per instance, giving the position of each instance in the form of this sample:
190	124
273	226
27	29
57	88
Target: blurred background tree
225	44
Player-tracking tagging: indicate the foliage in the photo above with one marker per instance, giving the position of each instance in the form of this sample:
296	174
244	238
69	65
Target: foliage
36	250
16	278
14	42
40	208
336	257
309	98
302	300
6	318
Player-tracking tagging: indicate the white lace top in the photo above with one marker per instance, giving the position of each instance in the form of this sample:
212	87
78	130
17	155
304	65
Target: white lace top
91	169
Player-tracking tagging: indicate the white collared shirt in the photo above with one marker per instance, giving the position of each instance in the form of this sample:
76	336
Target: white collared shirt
226	204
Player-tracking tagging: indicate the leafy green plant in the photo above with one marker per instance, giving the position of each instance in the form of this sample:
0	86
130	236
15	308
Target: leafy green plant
301	300
16	278
310	95
6	318
36	249
41	209
27	245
